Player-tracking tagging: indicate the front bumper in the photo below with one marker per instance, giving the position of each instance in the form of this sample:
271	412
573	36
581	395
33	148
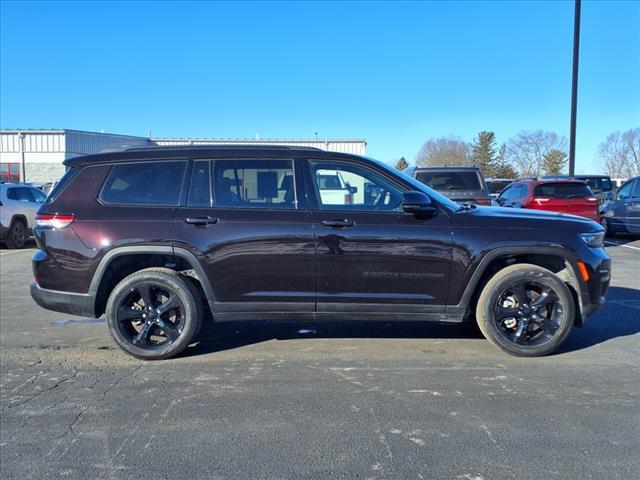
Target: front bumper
66	302
594	290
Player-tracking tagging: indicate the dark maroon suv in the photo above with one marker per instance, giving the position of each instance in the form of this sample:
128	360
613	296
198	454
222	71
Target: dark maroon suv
159	238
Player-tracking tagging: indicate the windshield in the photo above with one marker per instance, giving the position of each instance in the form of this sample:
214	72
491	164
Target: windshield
496	186
447	181
562	190
599	183
421	187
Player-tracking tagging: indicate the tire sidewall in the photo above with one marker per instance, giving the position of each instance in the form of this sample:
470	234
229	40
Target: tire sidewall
167	281
498	284
11	242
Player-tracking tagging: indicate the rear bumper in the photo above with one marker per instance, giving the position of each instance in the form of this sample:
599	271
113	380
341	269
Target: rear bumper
73	303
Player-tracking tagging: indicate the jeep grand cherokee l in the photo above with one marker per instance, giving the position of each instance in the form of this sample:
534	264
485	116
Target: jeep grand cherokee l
155	238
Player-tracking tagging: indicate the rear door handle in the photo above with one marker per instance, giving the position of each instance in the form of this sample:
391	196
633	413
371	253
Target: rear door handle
342	222
201	221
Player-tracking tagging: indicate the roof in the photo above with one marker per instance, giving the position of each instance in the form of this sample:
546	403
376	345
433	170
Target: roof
202	151
444	167
550	180
260	140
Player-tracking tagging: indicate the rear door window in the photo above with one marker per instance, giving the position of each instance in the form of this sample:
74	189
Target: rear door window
448	181
562	190
254	184
144	183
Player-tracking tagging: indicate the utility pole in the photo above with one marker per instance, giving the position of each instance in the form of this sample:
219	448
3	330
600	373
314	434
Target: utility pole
23	167
574	88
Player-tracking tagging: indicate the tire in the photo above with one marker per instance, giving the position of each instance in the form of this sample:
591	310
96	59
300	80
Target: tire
608	230
17	235
144	331
526	310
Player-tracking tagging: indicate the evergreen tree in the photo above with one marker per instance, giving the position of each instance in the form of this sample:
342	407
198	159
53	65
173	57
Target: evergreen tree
483	152
554	162
401	164
504	170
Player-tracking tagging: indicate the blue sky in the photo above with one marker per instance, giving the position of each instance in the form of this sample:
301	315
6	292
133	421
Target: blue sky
393	73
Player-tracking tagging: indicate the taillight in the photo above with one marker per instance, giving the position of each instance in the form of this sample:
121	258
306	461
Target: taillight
347	199
55	221
540	200
483	201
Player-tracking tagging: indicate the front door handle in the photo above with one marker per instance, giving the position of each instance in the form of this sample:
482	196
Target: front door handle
201	221
342	222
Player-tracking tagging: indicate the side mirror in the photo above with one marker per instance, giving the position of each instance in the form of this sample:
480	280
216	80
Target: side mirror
417	203
500	201
352	189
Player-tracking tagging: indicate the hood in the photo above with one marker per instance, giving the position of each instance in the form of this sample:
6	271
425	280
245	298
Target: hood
502	217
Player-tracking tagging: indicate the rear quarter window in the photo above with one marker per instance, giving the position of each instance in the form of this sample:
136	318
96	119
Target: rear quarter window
562	190
59	186
144	183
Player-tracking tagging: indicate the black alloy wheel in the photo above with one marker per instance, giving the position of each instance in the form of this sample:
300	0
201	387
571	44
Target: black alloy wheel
528	313
154	313
151	316
526	310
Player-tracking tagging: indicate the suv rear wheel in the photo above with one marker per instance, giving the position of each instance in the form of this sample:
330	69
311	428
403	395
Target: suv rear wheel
154	313
17	235
526	310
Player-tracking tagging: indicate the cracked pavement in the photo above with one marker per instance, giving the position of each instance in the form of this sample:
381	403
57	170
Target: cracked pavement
311	400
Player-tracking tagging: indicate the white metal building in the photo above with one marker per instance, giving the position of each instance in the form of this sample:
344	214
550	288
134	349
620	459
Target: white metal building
37	155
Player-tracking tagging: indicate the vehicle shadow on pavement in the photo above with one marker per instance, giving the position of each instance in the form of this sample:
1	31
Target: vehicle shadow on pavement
620	317
229	335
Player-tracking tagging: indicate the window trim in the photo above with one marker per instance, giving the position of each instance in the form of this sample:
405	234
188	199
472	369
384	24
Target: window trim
189	178
297	205
105	203
317	202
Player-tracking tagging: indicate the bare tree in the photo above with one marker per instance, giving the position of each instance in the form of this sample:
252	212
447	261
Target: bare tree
526	151
619	154
444	151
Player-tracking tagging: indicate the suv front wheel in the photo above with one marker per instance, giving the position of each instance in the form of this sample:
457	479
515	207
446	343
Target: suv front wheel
154	313
526	310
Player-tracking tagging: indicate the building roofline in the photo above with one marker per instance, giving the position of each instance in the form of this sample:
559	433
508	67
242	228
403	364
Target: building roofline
66	130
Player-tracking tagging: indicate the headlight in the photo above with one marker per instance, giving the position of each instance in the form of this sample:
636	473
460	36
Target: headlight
595	239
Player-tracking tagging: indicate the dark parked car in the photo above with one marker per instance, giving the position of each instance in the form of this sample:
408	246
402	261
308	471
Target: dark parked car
563	196
601	185
622	214
460	184
156	237
497	185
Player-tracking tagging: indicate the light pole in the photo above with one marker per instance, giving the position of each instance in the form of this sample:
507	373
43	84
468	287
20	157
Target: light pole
574	88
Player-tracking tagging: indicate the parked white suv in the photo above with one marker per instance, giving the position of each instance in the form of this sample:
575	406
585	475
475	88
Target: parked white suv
18	206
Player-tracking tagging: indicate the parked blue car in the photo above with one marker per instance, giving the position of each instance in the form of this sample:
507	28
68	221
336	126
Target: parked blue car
622	213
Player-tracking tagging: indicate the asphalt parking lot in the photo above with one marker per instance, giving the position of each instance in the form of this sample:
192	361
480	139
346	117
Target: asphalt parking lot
337	400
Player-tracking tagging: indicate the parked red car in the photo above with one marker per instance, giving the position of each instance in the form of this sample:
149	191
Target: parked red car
564	196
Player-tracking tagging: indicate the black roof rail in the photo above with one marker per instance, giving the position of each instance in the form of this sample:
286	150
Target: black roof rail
214	147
